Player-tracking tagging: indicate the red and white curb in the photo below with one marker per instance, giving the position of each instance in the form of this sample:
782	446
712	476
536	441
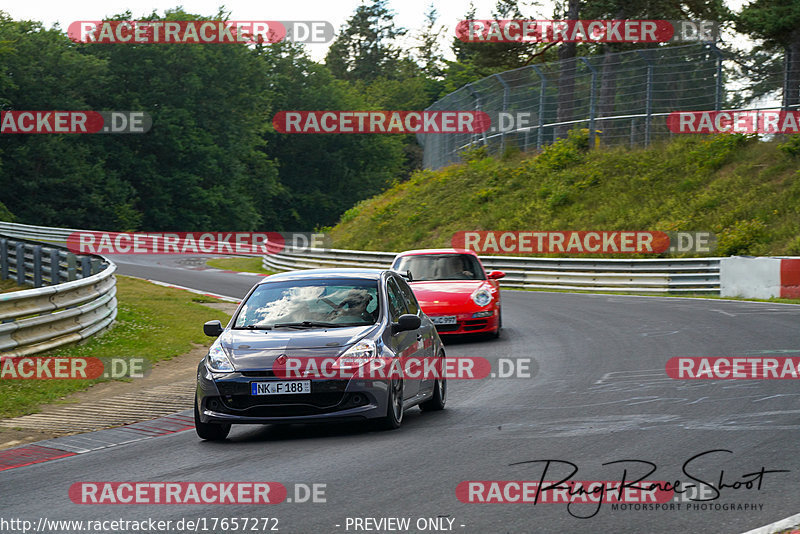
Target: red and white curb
66	446
783	524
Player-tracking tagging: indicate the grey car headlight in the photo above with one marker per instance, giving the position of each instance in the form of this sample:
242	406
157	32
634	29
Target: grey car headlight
217	361
482	297
359	354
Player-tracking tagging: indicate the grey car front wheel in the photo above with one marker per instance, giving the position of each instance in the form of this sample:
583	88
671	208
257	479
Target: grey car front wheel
394	406
209	431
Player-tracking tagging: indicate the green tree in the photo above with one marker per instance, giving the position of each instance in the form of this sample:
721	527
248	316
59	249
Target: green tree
324	174
54	179
202	165
777	24
364	49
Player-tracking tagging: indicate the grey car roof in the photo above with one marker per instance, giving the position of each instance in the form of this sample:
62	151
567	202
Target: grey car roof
310	274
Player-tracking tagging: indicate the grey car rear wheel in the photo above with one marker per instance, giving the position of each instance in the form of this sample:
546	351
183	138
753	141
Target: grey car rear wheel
439	398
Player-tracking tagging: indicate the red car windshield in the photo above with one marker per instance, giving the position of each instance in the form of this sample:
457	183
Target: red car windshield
441	267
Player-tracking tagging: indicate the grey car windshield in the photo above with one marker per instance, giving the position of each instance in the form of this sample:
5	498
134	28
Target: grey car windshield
441	267
311	303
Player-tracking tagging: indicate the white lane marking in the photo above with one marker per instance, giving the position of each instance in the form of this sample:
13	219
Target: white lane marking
656	334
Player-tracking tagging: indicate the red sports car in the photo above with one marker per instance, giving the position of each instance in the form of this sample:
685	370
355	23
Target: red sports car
454	290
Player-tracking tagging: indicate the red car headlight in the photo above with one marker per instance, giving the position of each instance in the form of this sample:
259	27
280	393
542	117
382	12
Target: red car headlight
482	297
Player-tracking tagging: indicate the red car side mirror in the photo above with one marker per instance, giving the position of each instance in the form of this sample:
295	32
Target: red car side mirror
494	275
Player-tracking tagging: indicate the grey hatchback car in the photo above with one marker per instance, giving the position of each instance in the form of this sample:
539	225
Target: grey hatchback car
352	318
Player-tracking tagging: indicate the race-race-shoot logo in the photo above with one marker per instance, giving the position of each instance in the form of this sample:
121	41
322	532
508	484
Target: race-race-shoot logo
74	122
384	122
200	31
586	31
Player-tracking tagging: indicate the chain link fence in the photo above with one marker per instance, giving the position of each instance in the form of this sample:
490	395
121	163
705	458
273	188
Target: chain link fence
621	97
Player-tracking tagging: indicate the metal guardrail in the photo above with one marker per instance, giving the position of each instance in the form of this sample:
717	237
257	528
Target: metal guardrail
79	302
44	234
677	275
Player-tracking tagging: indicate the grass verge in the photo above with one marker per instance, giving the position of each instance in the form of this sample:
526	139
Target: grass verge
244	265
153	322
7	286
745	191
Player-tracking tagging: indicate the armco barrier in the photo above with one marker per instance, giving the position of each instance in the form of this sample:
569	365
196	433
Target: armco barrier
734	276
42	234
80	301
678	275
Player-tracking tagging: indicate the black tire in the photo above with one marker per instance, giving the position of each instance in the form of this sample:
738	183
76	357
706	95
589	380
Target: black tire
437	402
209	431
394	407
496	333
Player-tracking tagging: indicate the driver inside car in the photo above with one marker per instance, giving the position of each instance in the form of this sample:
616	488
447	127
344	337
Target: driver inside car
355	305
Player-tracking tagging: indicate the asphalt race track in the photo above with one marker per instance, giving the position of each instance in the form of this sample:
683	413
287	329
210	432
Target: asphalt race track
597	393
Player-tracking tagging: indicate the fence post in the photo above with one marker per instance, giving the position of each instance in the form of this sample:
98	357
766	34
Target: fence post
506	90
72	263
86	267
648	98
19	259
3	259
718	80
787	57
592	98
542	87
55	269
37	266
476	97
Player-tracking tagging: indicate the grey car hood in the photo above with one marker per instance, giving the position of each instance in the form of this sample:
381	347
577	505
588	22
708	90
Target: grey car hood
258	349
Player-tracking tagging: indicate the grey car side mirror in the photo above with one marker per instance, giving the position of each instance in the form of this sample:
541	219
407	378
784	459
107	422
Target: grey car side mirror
407	321
213	329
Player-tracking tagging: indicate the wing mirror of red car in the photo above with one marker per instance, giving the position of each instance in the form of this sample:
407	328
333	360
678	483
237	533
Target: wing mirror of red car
494	275
407	321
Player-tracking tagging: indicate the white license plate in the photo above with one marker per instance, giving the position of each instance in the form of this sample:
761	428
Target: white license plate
280	388
444	319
